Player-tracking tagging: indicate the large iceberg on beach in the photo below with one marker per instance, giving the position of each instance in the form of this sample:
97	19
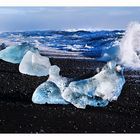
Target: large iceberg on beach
34	64
51	90
97	90
14	54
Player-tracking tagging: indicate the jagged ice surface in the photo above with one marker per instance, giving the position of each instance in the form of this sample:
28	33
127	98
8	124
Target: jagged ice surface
106	85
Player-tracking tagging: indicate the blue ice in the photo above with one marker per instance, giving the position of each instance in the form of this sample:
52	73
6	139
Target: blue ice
106	86
49	93
14	54
96	91
51	90
81	100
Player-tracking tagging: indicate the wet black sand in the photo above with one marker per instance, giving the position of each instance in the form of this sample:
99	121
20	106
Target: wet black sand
19	115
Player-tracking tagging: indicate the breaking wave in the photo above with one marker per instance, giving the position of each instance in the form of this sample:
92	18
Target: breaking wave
130	47
103	45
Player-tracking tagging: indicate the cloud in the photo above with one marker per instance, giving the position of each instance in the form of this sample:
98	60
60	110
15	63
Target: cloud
55	18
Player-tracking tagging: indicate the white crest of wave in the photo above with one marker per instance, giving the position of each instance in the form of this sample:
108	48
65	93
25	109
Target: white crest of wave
130	46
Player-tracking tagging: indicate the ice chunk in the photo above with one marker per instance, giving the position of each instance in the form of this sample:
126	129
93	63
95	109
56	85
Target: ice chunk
34	64
110	81
106	85
14	54
95	91
48	92
56	78
80	100
51	90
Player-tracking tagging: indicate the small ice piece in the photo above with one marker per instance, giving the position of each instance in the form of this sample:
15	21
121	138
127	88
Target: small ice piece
34	64
14	54
106	85
51	90
48	92
55	77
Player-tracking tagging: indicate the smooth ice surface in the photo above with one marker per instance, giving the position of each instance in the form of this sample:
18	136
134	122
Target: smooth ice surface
48	92
34	64
106	85
14	54
51	90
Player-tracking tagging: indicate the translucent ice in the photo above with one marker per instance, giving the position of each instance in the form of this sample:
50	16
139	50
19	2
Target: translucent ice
51	90
34	64
48	92
14	54
80	100
104	86
56	78
110	81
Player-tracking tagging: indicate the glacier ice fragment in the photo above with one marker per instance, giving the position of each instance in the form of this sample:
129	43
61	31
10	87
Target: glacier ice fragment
48	92
96	91
51	90
55	77
14	54
106	86
80	100
34	64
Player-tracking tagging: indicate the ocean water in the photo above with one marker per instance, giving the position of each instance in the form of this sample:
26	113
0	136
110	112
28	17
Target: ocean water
89	44
104	45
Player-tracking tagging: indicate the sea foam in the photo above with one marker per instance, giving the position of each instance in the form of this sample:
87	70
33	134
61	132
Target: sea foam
130	47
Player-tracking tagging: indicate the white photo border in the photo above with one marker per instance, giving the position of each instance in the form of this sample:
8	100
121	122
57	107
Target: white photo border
69	2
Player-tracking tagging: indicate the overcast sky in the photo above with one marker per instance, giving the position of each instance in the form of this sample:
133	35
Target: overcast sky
61	18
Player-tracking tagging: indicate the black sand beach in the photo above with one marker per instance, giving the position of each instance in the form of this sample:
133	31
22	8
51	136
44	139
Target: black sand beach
19	115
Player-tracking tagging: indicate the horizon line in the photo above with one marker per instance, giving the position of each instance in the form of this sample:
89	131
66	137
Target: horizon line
67	30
